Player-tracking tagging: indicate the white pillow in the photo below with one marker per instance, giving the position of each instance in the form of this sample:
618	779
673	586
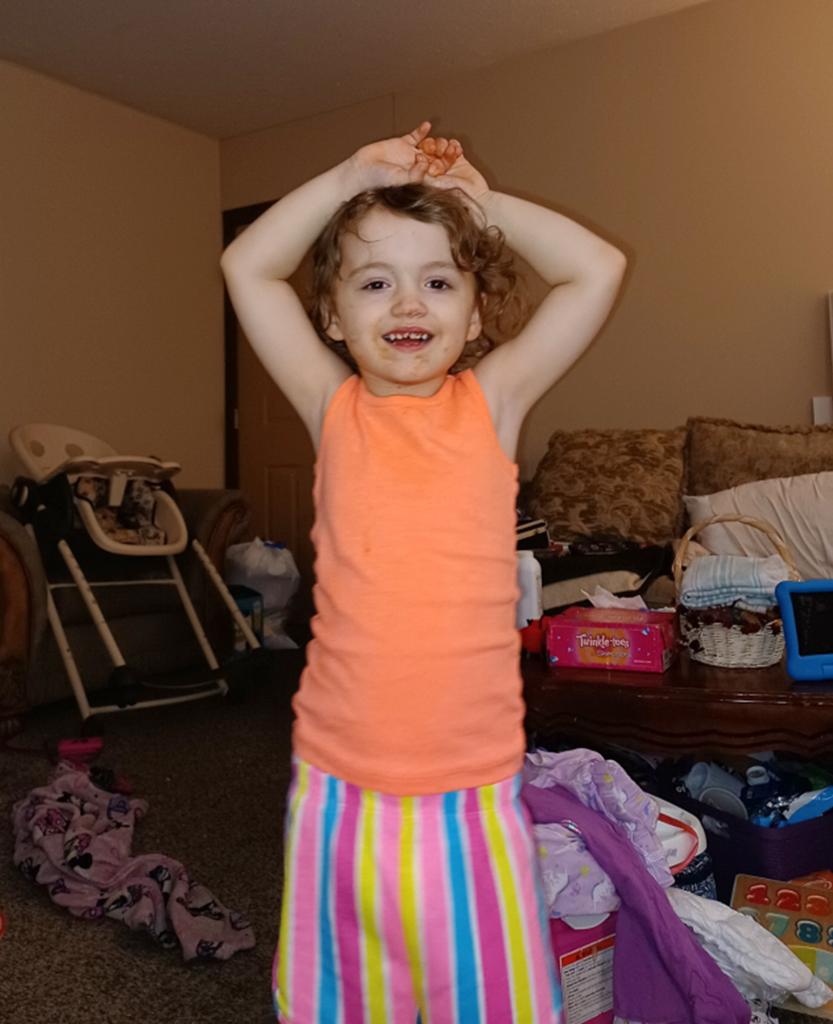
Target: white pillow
800	508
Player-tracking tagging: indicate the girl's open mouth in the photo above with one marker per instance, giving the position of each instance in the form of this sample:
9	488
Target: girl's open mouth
408	341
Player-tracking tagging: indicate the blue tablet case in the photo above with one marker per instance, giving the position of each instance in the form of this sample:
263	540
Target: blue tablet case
807	614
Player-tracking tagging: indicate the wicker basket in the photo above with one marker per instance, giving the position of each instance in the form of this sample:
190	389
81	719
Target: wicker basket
729	646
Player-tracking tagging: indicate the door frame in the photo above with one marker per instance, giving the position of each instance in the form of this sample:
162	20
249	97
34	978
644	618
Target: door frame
233	220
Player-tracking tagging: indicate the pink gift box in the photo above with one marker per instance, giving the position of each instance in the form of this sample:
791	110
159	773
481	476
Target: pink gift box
630	640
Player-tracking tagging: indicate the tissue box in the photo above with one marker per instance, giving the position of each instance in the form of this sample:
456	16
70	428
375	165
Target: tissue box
583	949
631	640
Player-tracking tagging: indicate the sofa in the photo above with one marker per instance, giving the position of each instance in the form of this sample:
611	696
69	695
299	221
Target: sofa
147	621
627	496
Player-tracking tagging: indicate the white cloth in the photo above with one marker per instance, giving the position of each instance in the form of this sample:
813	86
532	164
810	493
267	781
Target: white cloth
760	965
716	580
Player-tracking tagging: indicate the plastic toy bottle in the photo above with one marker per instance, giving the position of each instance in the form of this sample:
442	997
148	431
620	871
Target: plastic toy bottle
768	796
760	787
530	604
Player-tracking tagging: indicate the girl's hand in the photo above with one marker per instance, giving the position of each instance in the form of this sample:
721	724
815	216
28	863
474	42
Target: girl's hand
395	161
448	167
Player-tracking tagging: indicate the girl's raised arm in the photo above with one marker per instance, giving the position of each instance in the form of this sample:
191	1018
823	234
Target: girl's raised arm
257	266
584	274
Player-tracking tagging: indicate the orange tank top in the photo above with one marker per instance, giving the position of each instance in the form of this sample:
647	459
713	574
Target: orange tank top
412	683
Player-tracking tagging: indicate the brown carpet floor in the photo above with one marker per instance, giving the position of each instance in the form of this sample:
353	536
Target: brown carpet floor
215	775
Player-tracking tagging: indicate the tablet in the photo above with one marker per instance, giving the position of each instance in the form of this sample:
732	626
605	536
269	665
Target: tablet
807	614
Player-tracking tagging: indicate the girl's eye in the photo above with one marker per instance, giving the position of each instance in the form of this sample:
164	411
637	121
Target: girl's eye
438	284
373	286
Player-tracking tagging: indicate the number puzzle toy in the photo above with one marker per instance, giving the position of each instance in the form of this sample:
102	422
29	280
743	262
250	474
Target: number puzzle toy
800	915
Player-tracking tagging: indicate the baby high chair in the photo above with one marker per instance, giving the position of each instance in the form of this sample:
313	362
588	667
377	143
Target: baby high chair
125	504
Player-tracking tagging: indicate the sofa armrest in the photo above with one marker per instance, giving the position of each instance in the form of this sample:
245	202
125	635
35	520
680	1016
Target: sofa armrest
22	591
216	518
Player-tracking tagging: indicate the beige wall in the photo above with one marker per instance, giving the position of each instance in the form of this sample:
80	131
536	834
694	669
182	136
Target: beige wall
702	143
110	289
264	165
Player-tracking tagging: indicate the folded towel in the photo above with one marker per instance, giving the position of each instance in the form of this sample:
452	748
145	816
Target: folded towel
716	580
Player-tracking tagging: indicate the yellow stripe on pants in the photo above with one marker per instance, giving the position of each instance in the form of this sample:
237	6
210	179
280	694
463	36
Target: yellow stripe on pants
505	884
288	884
409	895
374	974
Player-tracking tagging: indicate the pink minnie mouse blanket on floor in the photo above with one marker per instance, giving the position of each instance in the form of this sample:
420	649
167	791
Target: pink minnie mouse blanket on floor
75	839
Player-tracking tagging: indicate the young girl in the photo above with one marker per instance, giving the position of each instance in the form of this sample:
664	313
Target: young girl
411	888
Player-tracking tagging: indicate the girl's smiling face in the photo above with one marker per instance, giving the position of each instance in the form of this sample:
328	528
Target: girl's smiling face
401	304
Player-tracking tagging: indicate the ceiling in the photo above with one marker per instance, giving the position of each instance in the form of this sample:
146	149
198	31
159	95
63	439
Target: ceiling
229	67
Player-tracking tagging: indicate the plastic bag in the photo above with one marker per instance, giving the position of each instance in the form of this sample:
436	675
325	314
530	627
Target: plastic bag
270	569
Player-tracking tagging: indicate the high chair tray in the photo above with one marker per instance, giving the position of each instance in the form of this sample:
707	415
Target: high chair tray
132	465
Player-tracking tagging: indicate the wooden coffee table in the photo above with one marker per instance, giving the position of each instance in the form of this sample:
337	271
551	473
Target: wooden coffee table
690	709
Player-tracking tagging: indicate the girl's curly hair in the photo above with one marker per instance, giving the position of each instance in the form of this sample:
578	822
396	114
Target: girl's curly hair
475	247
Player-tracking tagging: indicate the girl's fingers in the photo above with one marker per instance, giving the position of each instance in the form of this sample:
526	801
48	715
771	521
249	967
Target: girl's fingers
419	169
453	152
436	145
439	153
419	133
449	151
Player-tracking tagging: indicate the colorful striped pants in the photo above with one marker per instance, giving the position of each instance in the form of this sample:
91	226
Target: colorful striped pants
398	910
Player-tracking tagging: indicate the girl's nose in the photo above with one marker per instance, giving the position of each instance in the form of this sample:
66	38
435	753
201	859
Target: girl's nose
408	303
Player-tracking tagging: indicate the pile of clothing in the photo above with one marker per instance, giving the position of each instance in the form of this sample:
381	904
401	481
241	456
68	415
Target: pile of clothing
679	957
75	839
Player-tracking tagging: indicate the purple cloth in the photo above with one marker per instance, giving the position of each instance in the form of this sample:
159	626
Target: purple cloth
604	785
573	882
75	839
661	975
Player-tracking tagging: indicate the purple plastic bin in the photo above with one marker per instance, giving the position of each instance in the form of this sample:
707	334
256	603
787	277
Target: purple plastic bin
781	853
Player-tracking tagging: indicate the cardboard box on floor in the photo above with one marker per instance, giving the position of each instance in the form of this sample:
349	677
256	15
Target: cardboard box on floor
800	914
583	949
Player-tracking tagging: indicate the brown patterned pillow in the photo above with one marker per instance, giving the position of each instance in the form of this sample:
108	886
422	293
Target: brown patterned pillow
625	483
722	454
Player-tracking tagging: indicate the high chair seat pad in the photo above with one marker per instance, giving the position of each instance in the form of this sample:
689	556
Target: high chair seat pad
170	539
